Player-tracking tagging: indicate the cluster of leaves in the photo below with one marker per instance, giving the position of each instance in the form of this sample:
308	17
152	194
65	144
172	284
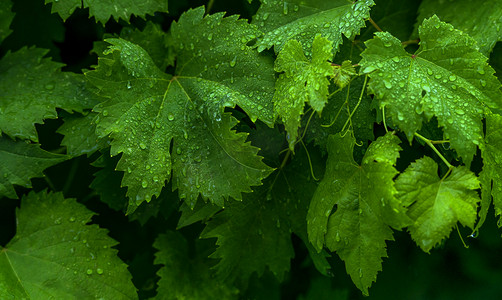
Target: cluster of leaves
289	125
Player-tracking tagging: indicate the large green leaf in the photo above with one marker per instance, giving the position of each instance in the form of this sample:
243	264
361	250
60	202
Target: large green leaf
302	81
187	277
20	162
255	234
481	20
31	89
354	206
102	10
446	77
148	110
55	255
436	205
283	20
6	16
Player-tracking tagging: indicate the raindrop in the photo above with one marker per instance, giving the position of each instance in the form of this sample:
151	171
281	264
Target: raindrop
99	271
129	84
144	184
396	59
89	272
233	62
142	145
453	77
474	234
170	117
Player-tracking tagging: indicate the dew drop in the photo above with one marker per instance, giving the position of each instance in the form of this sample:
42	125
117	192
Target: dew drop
170	117
89	272
453	77
387	84
233	62
144	184
100	271
396	59
142	145
49	86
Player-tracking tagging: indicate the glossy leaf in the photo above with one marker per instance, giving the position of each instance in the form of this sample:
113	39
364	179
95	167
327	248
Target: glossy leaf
103	10
437	204
6	16
303	81
446	77
77	259
283	20
149	109
354	207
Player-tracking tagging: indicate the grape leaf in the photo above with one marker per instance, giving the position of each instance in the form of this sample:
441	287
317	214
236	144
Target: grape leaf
447	77
282	20
366	207
185	277
302	81
482	22
21	162
149	109
54	254
6	16
436	205
31	89
80	135
255	234
491	175
102	10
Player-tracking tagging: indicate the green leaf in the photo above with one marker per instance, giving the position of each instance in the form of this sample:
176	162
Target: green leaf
21	162
283	20
80	135
6	16
364	204
102	10
149	109
185	277
54	254
302	81
482	22
31	89
255	234
436	205
491	176
446	77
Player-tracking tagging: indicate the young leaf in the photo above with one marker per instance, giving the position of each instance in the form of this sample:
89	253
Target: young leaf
366	207
54	254
102	10
282	20
21	162
482	22
31	89
436	205
6	16
185	277
447	77
149	109
302	81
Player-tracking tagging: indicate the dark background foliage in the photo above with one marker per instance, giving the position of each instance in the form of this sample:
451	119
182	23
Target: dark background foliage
450	272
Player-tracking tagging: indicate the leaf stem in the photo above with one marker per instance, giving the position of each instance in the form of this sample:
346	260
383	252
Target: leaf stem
462	239
409	42
375	25
357	105
383	118
209	6
429	143
310	162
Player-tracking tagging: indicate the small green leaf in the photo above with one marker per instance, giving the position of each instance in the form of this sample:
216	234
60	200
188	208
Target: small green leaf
446	77
54	254
21	162
436	205
302	81
80	135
